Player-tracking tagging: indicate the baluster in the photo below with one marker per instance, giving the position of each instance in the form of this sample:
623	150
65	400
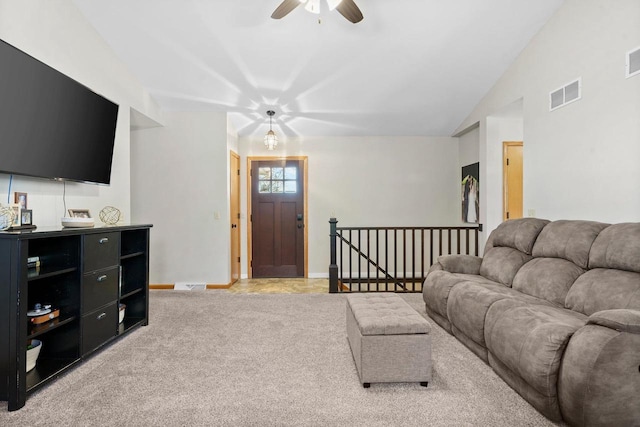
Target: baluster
333	268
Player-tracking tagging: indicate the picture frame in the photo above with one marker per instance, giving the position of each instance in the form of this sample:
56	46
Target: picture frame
16	215
26	217
79	213
20	199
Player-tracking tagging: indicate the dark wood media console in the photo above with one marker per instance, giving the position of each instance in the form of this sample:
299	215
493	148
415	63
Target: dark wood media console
86	273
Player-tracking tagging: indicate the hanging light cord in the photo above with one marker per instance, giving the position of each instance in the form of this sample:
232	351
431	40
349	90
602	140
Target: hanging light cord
64	197
9	192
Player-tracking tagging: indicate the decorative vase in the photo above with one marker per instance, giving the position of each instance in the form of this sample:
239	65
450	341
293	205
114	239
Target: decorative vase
33	353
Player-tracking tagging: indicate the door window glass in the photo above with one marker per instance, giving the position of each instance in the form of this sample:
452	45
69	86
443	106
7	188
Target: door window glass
278	179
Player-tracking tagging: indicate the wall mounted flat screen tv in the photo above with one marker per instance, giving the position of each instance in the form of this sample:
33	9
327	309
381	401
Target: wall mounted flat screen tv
50	125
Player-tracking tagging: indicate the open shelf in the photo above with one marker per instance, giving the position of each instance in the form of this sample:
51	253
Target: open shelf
44	273
37	330
46	369
128	294
132	255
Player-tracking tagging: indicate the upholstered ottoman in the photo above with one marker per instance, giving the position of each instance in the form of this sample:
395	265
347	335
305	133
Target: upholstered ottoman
389	340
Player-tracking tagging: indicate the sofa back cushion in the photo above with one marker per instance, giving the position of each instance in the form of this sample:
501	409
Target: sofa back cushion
614	279
509	247
604	289
547	278
569	240
501	264
617	246
518	234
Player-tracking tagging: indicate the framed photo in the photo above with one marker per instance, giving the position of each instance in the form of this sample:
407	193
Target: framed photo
471	193
20	199
79	213
16	215
26	217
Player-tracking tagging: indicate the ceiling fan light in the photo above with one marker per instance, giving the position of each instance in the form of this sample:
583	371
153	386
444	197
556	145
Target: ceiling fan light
333	3
313	6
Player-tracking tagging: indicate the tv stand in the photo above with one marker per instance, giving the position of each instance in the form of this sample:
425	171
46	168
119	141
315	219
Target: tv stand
85	273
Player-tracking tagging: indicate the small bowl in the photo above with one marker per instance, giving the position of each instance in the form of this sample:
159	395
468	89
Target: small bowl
33	353
122	309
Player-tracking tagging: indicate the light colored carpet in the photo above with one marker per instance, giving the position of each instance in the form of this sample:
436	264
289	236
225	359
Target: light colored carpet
216	358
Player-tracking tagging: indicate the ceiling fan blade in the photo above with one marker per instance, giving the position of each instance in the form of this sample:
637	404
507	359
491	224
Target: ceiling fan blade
349	10
285	7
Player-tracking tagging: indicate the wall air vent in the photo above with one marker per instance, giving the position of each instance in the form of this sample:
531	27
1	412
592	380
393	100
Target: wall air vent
633	62
565	95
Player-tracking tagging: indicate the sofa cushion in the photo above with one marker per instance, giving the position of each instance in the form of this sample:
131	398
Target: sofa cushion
437	286
570	240
530	340
519	234
617	246
547	278
501	264
604	289
467	308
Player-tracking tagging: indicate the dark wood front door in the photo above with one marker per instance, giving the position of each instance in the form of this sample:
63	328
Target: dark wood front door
277	218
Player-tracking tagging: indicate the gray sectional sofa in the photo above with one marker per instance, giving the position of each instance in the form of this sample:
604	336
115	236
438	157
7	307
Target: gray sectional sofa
554	309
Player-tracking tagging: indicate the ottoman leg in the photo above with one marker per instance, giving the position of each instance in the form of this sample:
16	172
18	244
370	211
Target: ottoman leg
366	385
424	384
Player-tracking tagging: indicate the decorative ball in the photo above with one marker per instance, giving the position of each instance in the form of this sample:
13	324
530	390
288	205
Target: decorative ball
110	215
7	216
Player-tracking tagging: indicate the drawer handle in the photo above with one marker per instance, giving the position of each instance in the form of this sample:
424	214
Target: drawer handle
101	316
102	278
103	240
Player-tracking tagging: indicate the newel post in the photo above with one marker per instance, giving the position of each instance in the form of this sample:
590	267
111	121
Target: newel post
333	266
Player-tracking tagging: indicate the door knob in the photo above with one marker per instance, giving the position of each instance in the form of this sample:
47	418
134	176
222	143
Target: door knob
300	225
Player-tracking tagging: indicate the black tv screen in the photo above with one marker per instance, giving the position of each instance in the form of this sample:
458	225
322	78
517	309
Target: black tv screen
50	125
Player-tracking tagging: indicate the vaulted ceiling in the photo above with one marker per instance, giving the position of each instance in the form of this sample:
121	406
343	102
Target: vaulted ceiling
411	67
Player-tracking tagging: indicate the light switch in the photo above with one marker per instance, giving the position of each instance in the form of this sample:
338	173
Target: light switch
216	215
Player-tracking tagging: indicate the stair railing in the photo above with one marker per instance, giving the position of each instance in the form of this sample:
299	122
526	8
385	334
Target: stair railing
391	259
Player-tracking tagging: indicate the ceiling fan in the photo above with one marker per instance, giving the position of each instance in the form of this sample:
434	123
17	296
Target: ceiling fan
347	8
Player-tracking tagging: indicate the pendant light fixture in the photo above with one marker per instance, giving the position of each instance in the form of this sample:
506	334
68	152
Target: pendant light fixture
270	139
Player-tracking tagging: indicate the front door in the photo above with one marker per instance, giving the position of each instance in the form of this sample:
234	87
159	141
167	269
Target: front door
277	218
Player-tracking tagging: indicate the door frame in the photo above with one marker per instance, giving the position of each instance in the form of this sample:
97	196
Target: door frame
305	179
237	221
505	201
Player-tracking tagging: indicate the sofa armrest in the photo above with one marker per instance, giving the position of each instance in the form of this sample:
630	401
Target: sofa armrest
465	264
623	320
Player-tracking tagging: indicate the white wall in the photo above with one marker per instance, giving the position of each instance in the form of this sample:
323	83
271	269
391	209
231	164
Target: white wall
56	33
180	184
469	147
362	181
580	160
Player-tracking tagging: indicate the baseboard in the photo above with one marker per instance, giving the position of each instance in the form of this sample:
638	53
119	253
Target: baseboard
318	275
159	286
209	286
227	286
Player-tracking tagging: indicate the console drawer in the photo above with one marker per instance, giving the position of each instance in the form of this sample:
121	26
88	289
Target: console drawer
99	288
98	327
101	251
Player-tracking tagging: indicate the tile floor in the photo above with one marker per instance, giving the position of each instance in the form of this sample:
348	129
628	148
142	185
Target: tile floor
281	286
